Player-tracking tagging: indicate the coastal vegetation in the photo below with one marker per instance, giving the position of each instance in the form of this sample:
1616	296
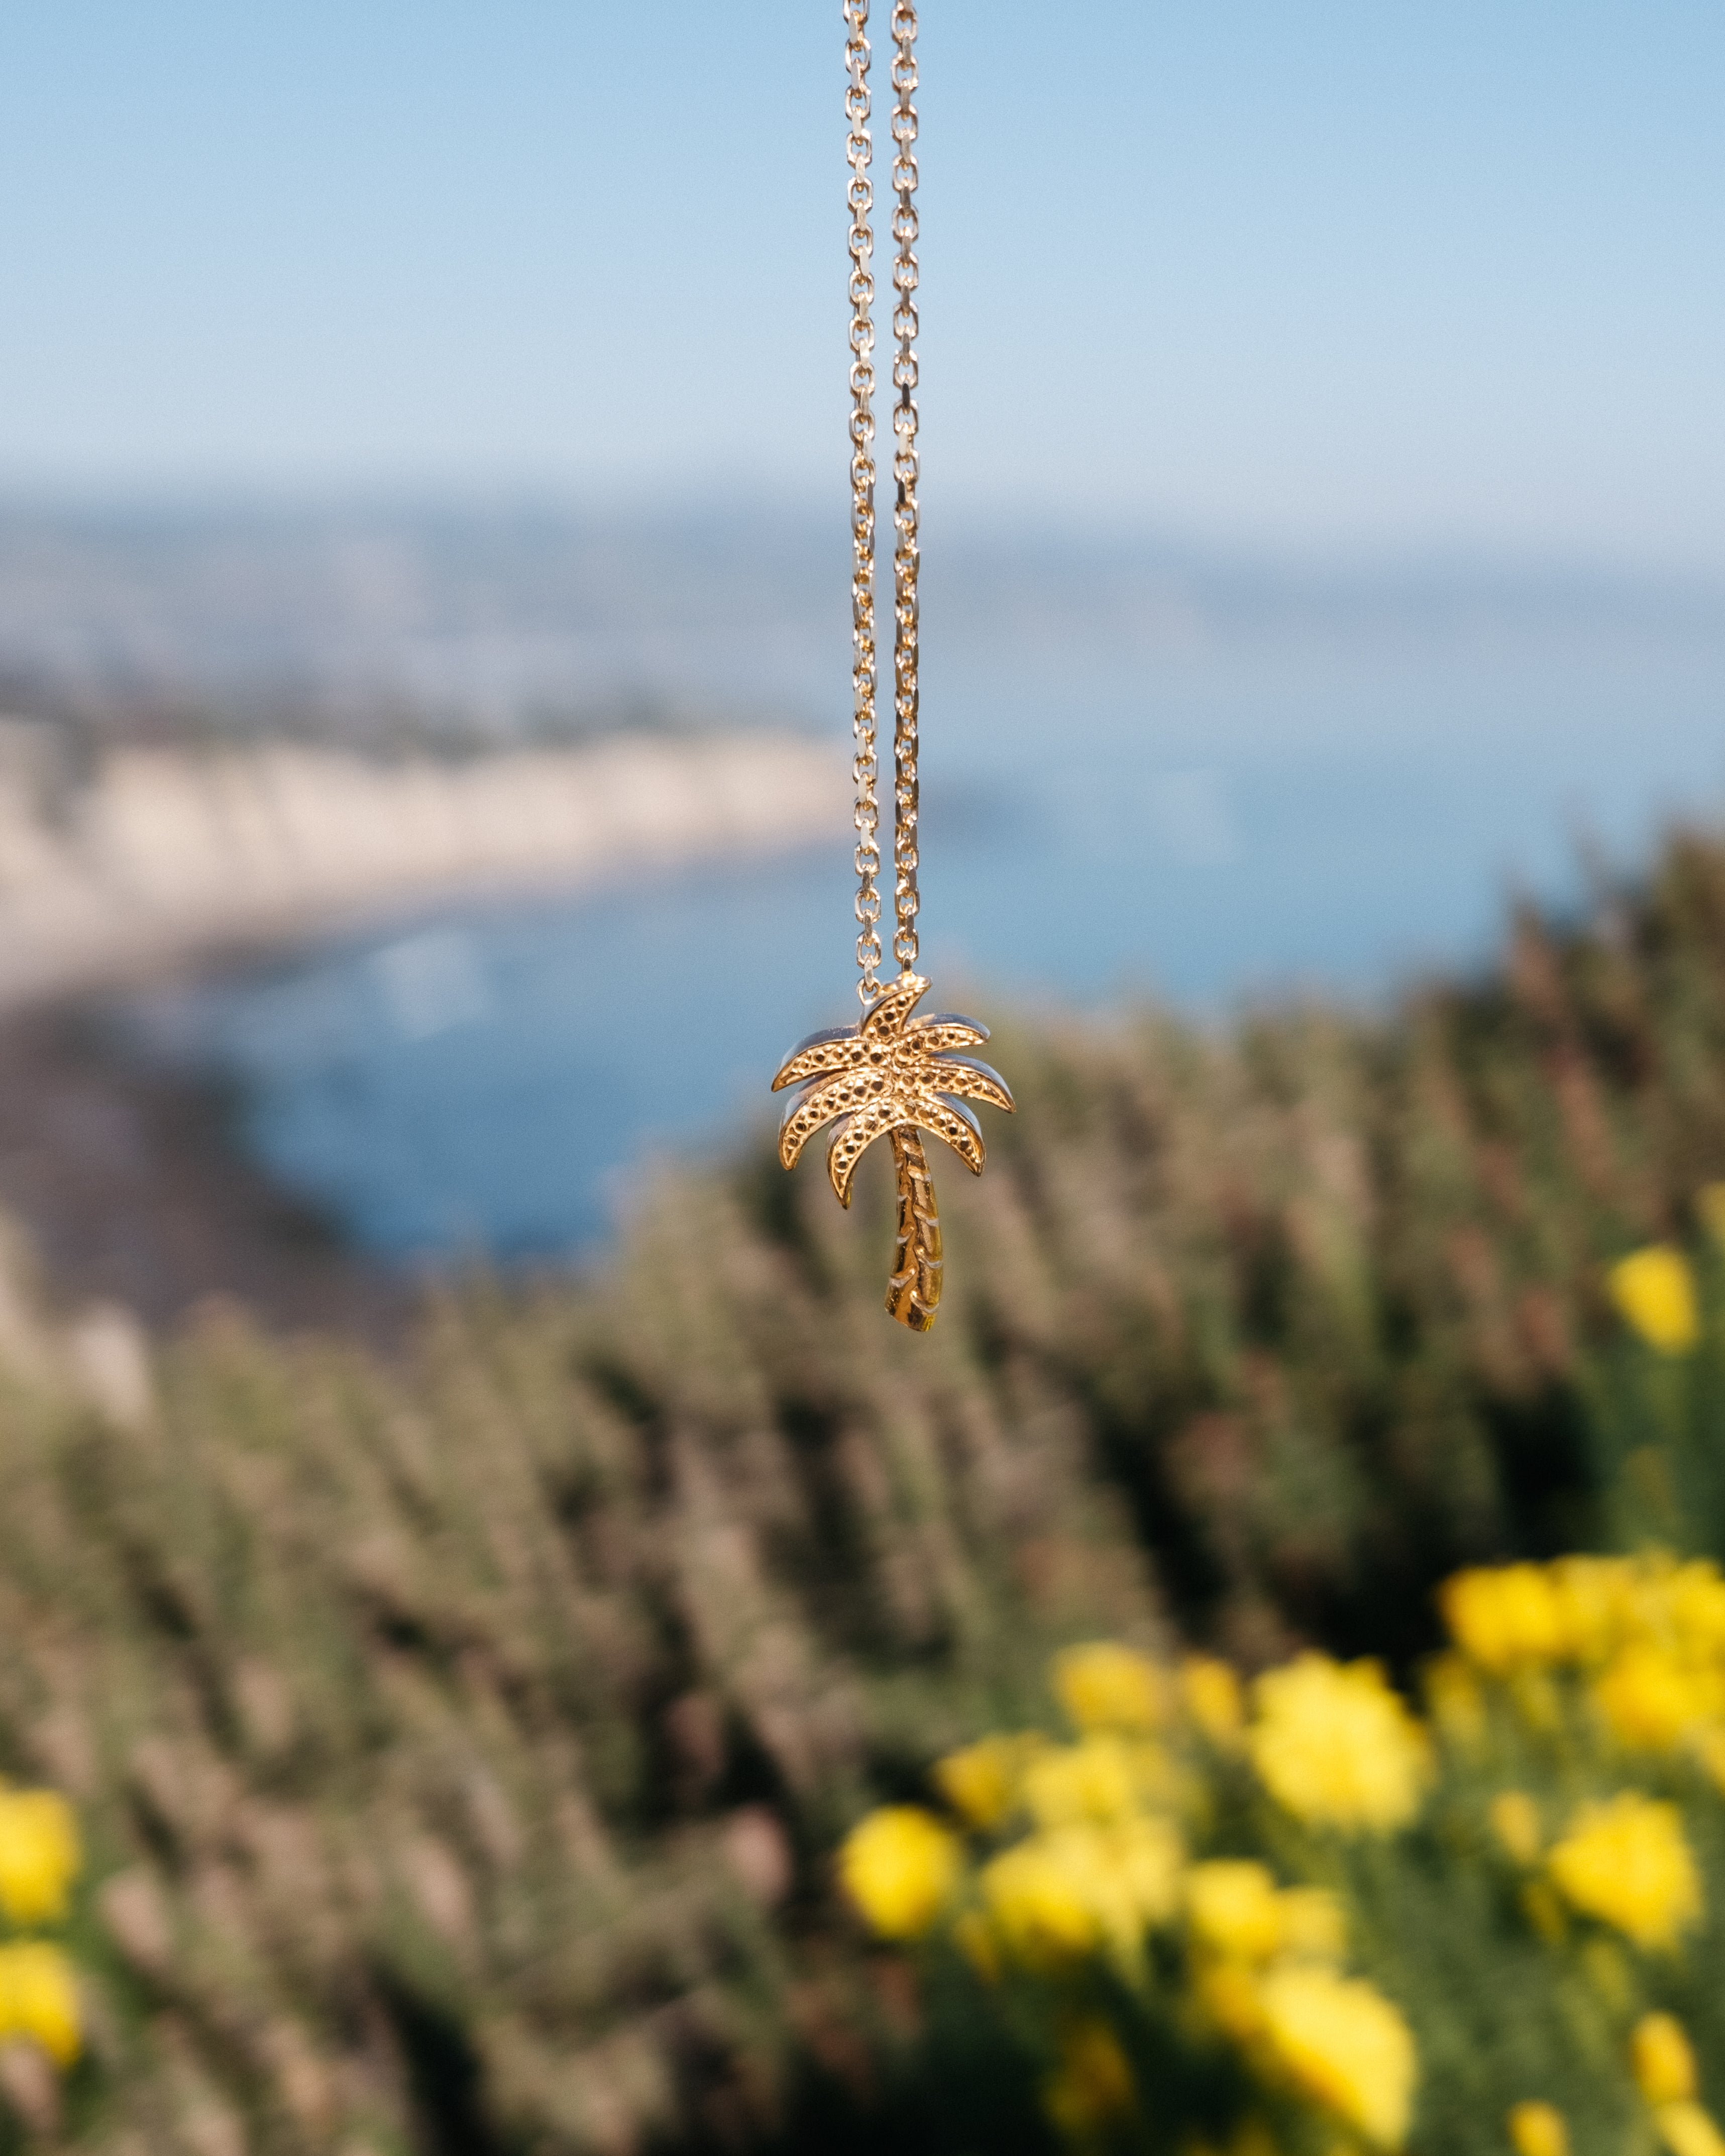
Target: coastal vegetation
461	1740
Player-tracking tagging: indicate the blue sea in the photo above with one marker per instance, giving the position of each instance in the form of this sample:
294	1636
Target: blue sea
1324	802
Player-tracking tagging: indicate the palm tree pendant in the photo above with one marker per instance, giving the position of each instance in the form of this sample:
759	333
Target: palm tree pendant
891	1076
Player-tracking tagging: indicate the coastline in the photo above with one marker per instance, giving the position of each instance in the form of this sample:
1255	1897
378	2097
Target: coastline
169	855
125	1176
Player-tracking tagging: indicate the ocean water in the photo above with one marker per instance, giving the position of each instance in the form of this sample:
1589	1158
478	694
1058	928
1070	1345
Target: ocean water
1275	814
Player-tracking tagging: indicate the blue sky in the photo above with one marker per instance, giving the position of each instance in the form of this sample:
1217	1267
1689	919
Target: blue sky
1343	275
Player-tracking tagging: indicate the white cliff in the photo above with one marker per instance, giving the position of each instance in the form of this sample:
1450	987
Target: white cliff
167	853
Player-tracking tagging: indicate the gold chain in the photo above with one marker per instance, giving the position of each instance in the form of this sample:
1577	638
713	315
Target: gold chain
905	554
864	767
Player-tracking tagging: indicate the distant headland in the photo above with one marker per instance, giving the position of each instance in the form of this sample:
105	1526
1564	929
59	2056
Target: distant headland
161	856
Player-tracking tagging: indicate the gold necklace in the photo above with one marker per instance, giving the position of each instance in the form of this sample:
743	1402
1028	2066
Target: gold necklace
891	1075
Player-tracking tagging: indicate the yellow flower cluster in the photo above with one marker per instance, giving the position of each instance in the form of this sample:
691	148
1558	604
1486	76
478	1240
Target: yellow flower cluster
1581	1612
1614	1657
1092	1861
1644	1637
1202	1866
1264	1960
1236	1911
39	1859
1067	1891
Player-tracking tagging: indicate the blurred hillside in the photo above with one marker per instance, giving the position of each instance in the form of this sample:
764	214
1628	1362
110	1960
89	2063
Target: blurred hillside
460	1736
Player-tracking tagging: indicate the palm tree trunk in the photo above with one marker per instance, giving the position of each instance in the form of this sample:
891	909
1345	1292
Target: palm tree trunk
914	1292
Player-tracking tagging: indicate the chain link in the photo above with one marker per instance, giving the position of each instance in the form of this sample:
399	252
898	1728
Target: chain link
864	766
906	555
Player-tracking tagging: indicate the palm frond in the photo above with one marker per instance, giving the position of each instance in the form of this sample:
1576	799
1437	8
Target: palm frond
894	1005
950	1121
853	1140
843	1095
974	1080
833	1048
941	1030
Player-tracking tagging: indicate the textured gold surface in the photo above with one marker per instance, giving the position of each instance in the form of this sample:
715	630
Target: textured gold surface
913	1294
894	1074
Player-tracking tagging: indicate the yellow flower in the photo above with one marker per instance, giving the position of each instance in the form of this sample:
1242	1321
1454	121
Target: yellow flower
1650	1599
39	1854
1653	1289
38	1999
900	1866
1514	1821
1104	1686
981	1783
1594	1597
1059	1895
1093	2082
1687	2130
1237	1913
1213	1698
1662	2062
1100	1777
1626	1861
1501	1616
1043	1908
1233	1909
1341	2045
1336	1747
1648	1700
1538	2129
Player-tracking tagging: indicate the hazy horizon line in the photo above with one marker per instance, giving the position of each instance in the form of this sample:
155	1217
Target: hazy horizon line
969	521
